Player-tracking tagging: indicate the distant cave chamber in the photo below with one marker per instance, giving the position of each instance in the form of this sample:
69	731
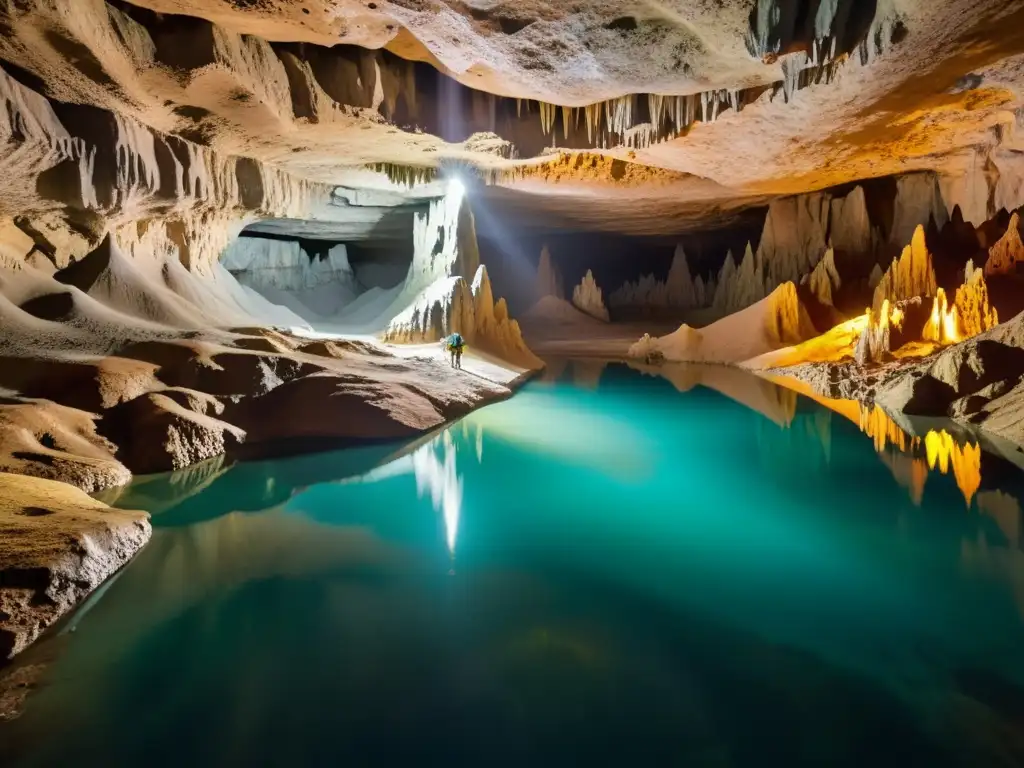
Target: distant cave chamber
329	285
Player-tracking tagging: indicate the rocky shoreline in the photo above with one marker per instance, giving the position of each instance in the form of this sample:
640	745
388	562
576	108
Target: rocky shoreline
978	382
156	406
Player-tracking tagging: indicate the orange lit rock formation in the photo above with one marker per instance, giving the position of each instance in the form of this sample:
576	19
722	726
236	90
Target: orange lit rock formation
911	274
1008	252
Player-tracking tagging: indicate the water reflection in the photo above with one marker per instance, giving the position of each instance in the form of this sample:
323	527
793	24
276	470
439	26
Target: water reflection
909	457
635	567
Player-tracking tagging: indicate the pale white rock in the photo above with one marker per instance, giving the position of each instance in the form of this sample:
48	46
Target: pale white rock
587	298
776	321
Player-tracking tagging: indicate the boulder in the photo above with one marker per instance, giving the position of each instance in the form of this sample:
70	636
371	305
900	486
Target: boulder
56	546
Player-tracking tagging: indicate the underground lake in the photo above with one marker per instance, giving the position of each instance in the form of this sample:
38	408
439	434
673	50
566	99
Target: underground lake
619	565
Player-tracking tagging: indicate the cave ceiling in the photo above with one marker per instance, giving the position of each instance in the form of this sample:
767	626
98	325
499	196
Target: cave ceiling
676	113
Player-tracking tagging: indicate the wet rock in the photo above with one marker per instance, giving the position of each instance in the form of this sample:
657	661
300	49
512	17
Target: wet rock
56	546
161	432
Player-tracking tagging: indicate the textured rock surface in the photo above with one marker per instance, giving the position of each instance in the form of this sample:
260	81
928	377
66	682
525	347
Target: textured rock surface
782	120
57	545
679	291
824	279
778	320
911	274
587	298
1008	252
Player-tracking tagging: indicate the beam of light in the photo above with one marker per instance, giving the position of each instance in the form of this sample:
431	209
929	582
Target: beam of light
456	189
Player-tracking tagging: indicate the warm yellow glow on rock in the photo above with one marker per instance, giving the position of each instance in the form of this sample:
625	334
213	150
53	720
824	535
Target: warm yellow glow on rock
942	327
910	275
971	303
902	452
969	315
965	461
877	425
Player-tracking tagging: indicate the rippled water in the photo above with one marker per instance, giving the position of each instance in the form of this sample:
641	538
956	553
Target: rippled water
697	569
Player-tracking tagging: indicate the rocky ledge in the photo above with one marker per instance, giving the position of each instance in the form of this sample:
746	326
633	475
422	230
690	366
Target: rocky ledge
56	546
978	382
164	404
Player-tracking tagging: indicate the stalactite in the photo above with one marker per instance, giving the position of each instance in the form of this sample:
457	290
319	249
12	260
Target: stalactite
408	176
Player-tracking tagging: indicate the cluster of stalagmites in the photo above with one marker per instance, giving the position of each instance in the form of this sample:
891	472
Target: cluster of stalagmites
587	298
679	291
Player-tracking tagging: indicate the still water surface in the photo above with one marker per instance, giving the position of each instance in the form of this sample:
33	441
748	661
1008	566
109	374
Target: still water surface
611	568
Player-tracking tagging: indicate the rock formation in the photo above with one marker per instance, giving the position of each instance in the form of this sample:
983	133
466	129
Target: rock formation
438	299
549	281
315	286
973	311
56	546
1008	252
911	274
679	290
794	237
587	298
778	320
824	279
918	203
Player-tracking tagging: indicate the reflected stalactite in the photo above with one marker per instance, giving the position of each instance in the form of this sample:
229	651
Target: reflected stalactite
965	461
1005	510
877	425
439	476
911	473
942	452
909	458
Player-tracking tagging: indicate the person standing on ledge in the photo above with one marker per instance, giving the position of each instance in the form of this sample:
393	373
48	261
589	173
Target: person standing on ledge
456	344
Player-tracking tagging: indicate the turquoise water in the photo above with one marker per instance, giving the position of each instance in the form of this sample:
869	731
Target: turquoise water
604	570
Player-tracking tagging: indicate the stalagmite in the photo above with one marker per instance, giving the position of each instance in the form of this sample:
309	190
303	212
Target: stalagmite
910	275
741	286
973	312
794	237
587	298
549	281
679	290
824	280
875	277
1008	252
849	227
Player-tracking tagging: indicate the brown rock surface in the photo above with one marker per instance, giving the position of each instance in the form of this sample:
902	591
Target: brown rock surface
1008	252
56	546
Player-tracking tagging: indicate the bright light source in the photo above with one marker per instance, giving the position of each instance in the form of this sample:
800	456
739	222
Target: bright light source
456	189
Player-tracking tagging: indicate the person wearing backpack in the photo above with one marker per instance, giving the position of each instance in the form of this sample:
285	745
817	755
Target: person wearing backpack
456	345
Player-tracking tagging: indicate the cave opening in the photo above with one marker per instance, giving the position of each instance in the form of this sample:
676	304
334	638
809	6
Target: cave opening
334	280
